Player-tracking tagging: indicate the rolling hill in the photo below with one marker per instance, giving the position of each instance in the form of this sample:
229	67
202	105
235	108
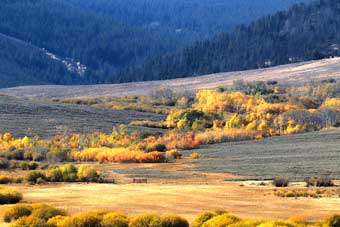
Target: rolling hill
286	74
105	36
45	119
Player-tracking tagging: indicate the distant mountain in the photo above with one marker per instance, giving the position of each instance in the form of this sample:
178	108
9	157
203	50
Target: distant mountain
82	42
304	32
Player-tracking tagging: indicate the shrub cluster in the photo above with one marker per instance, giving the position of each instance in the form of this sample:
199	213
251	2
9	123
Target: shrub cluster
299	193
280	181
30	214
319	182
66	173
9	196
42	215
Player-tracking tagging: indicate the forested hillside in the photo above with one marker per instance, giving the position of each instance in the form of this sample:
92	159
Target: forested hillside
188	20
23	64
106	36
304	32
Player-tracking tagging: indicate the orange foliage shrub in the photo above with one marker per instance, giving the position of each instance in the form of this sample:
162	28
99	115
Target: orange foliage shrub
104	154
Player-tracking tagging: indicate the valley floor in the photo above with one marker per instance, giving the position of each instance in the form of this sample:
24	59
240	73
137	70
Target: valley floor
187	200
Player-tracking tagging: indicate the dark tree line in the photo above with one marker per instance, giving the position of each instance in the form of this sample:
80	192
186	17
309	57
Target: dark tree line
304	32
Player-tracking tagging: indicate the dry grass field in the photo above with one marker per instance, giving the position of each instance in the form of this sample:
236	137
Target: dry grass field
286	74
187	200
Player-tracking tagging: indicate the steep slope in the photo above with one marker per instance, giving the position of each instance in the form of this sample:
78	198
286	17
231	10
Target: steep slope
287	74
304	32
106	36
23	63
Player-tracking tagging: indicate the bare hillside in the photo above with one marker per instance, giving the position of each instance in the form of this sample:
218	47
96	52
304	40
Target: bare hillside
21	117
294	73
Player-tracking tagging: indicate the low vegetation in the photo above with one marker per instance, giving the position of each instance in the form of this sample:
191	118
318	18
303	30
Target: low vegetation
23	215
9	196
280	181
320	181
66	173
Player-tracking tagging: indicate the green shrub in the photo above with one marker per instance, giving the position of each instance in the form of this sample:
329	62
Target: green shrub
69	173
59	155
23	165
13	153
319	182
8	196
221	221
46	212
90	219
29	222
202	218
13	164
280	182
34	176
333	221
114	220
32	165
16	212
4	164
172	220
55	175
87	174
146	220
41	180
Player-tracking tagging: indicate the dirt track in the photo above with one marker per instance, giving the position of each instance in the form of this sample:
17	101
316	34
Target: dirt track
295	73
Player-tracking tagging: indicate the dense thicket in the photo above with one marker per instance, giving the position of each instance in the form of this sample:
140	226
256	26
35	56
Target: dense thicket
304	32
107	35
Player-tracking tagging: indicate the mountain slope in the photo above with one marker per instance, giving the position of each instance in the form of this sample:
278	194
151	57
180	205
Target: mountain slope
190	19
23	63
304	32
287	74
106	35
